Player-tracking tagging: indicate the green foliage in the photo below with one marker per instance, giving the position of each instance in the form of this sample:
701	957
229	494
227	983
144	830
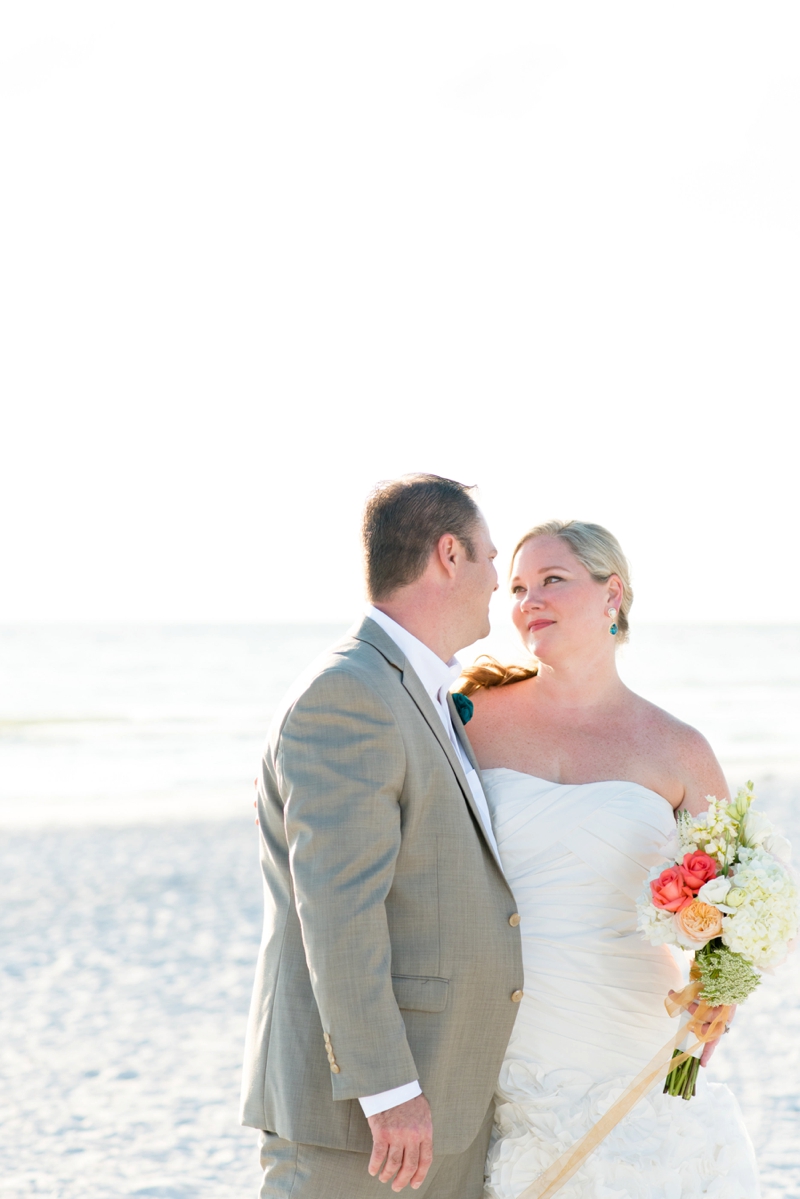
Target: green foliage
726	976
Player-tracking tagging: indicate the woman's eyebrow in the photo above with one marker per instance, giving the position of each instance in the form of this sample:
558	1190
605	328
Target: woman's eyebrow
542	571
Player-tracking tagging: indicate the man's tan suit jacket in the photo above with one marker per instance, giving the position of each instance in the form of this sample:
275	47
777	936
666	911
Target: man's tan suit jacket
387	952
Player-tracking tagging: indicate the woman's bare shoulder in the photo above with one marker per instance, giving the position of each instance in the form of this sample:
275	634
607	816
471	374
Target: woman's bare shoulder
681	737
495	715
500	721
689	756
490	701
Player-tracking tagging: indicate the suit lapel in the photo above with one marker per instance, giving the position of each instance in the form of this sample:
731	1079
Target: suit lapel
424	702
461	733
466	745
374	634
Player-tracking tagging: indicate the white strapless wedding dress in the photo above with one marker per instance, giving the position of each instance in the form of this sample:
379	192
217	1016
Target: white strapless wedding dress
592	1014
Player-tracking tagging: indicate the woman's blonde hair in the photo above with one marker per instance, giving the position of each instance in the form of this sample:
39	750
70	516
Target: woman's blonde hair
601	554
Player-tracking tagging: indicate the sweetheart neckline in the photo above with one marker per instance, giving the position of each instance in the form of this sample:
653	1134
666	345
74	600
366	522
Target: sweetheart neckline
597	782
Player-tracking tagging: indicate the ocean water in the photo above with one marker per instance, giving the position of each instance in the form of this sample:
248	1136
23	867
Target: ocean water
130	724
124	724
130	896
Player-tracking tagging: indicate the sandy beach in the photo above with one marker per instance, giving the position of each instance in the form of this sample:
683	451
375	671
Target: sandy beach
128	960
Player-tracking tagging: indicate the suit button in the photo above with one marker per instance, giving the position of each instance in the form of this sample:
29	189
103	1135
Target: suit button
514	919
516	996
334	1068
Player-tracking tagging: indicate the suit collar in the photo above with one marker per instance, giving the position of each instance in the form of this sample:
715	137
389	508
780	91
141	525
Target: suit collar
371	632
435	674
374	635
425	704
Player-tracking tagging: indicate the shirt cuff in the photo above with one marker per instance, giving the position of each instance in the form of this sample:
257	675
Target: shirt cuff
372	1104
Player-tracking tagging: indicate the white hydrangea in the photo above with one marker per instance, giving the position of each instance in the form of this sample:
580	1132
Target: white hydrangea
764	900
657	925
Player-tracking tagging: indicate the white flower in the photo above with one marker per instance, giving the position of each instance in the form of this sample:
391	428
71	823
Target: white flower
763	897
714	831
779	847
672	849
755	828
655	924
715	892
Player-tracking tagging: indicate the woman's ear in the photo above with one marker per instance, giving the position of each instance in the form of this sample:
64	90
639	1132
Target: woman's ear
616	592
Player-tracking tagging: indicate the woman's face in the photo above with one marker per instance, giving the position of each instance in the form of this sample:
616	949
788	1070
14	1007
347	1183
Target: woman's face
558	607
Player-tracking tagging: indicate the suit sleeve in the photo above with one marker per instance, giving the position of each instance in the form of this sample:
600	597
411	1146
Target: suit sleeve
340	769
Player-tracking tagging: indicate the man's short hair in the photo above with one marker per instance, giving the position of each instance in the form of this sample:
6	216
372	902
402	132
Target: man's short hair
403	521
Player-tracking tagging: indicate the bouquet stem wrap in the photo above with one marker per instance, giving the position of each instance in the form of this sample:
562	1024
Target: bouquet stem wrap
675	1004
682	1081
559	1173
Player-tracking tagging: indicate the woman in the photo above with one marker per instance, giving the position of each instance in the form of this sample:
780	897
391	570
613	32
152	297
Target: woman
583	779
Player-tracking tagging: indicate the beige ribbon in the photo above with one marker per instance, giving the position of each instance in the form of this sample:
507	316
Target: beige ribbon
690	994
562	1169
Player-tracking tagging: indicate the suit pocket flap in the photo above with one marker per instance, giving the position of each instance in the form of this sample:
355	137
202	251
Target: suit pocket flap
419	994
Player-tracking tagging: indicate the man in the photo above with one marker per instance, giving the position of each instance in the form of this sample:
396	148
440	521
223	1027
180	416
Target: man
390	969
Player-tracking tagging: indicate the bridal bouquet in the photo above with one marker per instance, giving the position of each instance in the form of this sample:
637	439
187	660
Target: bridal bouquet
729	896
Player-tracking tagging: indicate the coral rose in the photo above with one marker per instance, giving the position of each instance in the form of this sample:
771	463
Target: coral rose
699	922
669	890
698	868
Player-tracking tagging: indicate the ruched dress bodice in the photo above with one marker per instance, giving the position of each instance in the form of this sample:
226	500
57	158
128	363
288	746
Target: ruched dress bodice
592	1013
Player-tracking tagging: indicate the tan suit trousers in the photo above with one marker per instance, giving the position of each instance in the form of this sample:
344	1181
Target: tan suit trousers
293	1171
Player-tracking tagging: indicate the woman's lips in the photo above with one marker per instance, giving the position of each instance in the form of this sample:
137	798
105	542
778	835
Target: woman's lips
535	625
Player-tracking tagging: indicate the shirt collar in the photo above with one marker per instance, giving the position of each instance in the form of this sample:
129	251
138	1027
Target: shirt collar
434	674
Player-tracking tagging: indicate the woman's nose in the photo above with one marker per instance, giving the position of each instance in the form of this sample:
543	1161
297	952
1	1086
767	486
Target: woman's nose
529	600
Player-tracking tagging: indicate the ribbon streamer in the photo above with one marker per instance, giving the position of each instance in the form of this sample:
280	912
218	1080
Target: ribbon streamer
562	1169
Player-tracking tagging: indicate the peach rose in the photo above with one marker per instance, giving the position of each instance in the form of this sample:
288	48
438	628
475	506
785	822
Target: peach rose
698	868
699	921
669	890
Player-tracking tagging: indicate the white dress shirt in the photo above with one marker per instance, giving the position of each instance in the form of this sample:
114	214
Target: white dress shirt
436	677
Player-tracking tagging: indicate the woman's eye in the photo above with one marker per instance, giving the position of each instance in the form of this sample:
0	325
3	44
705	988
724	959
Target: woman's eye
515	590
553	579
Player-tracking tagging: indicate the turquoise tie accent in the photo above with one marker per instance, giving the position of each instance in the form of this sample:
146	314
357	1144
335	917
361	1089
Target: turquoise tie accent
613	630
464	706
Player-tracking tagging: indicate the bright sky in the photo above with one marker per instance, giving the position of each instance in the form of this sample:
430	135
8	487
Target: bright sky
259	256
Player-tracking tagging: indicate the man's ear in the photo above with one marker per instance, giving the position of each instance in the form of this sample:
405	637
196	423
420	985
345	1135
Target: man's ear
447	549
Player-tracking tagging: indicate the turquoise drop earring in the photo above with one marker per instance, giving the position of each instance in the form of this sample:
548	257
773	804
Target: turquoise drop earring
613	630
